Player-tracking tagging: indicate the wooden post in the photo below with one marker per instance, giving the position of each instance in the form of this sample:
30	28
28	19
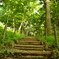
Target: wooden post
54	54
55	33
12	45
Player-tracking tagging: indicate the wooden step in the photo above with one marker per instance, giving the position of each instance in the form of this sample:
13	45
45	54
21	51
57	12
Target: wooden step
31	52
25	48
26	57
31	42
26	40
31	46
29	39
33	56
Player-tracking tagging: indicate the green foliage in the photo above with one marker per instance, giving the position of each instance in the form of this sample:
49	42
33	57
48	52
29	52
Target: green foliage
50	40
10	37
58	41
29	13
5	52
1	32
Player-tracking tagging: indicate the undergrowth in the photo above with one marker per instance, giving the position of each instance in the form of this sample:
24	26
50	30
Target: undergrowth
10	37
50	40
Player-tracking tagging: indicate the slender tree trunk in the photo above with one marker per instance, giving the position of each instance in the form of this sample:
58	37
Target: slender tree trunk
15	30
5	30
13	25
48	19
55	32
19	30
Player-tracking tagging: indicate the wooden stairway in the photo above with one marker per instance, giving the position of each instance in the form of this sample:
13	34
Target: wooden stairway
30	48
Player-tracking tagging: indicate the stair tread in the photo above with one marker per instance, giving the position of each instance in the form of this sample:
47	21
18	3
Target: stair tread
29	48
33	56
28	45
31	37
30	41
31	52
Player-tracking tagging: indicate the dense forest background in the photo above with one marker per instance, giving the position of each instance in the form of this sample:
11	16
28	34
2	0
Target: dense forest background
20	18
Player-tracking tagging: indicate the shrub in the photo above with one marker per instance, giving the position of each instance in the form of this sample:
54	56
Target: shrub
50	40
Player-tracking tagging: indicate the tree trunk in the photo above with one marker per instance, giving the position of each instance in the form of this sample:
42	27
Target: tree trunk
55	32
48	19
20	27
46	34
13	25
5	30
19	30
